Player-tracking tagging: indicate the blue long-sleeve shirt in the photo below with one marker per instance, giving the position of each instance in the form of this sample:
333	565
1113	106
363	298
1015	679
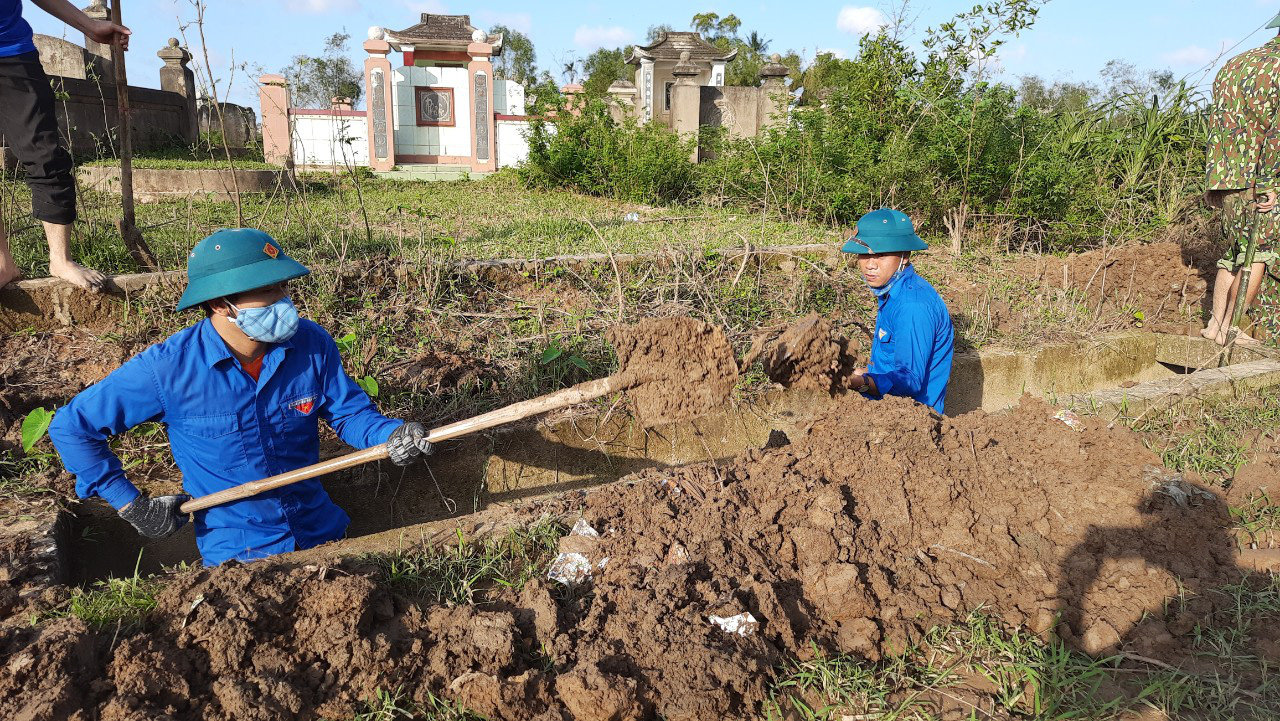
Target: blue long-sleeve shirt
914	342
226	429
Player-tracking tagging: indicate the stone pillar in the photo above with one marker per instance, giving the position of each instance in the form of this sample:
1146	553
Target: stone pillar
686	97
644	76
572	98
277	140
484	148
774	99
176	77
623	93
98	11
379	103
340	104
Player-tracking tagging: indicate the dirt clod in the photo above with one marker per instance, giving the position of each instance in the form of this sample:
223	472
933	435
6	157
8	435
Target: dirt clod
688	366
810	354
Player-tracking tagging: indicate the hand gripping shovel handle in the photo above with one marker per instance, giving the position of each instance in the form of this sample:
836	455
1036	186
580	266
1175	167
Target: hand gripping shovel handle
574	395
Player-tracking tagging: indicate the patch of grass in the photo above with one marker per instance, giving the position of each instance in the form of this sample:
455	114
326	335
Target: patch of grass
1018	675
1258	517
465	572
114	603
396	705
1215	437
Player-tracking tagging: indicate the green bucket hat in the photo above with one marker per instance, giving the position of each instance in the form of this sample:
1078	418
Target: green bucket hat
233	261
884	231
1275	22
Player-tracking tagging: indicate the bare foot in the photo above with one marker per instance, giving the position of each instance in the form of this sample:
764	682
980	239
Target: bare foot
1211	329
78	275
8	274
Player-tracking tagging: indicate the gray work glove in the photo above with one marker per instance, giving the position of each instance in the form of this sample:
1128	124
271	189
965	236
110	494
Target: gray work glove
156	517
407	443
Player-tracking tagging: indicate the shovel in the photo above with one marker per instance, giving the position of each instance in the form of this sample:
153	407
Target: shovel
129	232
574	395
678	368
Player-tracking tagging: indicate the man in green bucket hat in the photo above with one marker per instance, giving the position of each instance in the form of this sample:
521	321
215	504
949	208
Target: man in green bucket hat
241	393
913	341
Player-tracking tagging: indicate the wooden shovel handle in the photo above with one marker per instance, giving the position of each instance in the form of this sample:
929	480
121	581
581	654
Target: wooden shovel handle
580	393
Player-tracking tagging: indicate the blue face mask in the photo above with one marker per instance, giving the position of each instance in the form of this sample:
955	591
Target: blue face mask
883	290
272	324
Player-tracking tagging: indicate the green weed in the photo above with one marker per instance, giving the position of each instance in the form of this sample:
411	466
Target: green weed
466	571
113	603
395	705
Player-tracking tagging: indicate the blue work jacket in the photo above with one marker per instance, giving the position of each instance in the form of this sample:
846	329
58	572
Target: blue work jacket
226	429
914	342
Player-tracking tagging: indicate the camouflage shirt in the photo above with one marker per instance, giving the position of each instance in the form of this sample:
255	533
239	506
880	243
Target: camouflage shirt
1243	135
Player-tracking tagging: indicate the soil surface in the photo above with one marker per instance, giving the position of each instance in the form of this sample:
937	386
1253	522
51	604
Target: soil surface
690	361
878	521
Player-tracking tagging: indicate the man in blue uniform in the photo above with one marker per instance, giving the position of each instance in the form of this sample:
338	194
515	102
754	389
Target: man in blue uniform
914	341
242	393
30	128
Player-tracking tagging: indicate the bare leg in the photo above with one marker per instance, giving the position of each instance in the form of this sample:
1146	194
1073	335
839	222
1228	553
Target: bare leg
60	263
8	268
1259	271
1222	286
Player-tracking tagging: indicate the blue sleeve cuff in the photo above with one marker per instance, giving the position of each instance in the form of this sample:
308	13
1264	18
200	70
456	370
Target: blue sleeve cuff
120	494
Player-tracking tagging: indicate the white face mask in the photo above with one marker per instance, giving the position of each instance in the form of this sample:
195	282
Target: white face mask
274	323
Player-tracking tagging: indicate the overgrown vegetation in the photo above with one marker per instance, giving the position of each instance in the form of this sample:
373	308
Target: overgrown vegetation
929	134
113	604
1216	436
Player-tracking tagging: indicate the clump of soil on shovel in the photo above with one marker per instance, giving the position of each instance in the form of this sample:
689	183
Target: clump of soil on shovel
808	354
878	522
687	365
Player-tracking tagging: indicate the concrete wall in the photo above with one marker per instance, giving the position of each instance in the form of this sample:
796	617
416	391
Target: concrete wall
513	142
158	118
68	60
412	140
330	137
240	122
508	97
661	76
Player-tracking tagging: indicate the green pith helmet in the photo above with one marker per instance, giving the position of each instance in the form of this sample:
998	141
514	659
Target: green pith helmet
884	231
233	261
1275	22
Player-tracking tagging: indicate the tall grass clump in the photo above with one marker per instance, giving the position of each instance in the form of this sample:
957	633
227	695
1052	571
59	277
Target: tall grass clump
590	152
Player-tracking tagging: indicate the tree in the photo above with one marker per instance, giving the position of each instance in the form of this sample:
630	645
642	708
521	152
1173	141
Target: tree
713	27
655	31
603	68
518	59
315	81
756	43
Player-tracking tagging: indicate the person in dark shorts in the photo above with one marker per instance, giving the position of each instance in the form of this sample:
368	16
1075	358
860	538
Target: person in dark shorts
30	129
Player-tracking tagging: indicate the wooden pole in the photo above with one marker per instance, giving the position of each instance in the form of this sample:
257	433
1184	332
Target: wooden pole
127	226
574	395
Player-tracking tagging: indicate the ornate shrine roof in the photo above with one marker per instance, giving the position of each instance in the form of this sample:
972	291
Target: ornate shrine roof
670	44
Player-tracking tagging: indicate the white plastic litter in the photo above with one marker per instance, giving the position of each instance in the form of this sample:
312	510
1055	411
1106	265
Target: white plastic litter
743	624
1070	418
631	217
582	528
571	569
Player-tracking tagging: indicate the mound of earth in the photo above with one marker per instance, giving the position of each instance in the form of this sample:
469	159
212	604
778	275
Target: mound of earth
876	523
687	366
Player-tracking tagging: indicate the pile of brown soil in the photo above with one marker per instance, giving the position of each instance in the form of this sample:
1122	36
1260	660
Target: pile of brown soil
687	365
1152	277
878	522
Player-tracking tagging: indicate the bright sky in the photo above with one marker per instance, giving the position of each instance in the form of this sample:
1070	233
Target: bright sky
1071	40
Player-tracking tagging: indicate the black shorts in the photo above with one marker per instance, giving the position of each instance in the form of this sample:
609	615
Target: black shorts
30	129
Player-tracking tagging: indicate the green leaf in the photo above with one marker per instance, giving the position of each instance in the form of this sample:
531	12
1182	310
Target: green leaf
34	427
369	385
347	343
578	361
552	352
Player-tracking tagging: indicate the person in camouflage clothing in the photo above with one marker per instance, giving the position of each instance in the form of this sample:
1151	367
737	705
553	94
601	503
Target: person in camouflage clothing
1244	173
